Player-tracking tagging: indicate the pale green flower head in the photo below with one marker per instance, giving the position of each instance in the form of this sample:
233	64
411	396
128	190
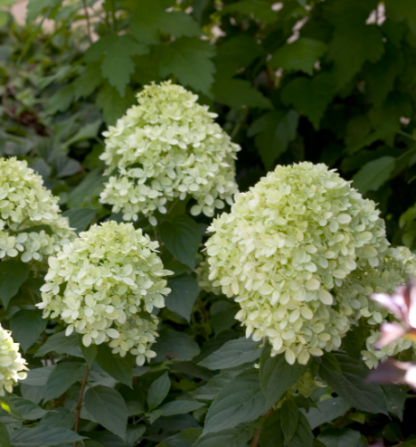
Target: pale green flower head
286	243
12	365
25	204
105	285
202	277
165	148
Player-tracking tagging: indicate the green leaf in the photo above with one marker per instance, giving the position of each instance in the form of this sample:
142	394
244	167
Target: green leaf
289	419
36	7
182	238
237	92
303	437
395	396
184	292
88	80
300	55
42	436
372	175
260	9
231	437
335	437
310	96
380	134
173	345
271	434
38	376
233	353
85	133
107	407
354	342
59	417
277	376
4	436
12	275
89	353
62	377
120	368
4	18
61	344
61	100
402	10
91	185
190	61
113	104
80	218
26	408
26	326
185	438
348	380
240	401
327	411
180	407
158	391
151	17
274	131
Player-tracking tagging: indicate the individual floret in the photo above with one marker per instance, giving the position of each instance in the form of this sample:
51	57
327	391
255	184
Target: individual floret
12	365
31	224
105	285
165	148
287	242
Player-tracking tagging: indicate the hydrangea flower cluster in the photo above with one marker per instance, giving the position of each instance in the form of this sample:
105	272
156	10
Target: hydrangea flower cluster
105	285
165	148
31	224
202	277
297	234
12	365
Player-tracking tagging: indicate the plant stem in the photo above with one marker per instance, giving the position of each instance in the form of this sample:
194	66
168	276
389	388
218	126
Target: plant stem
79	403
256	439
343	419
87	18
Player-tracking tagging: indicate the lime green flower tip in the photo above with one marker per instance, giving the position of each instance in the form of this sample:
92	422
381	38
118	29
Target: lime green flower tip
104	285
12	365
25	204
168	147
297	234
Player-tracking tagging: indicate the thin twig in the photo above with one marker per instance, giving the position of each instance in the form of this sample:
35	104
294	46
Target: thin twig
79	403
87	17
256	439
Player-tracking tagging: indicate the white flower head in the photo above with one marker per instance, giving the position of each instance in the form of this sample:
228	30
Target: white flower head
105	285
12	365
165	148
286	243
31	224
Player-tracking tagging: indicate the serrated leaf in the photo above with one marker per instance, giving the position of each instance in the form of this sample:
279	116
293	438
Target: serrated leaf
395	396
90	186
310	96
274	131
120	368
61	100
158	391
240	401
348	379
237	92
260	9
150	17
303	436
233	353
38	376
277	376
300	55
184	292
88	80
289	419
36	7
231	437
80	218
107	407
61	344
182	238
85	133
271	434
26	408
27	325
185	438
327	411
4	436
190	61
42	436
180	407
335	437
372	175
12	275
173	345
113	104
62	377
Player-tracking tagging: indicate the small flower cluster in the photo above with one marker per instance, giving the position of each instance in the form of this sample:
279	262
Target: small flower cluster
12	365
202	276
104	285
31	224
165	148
297	234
